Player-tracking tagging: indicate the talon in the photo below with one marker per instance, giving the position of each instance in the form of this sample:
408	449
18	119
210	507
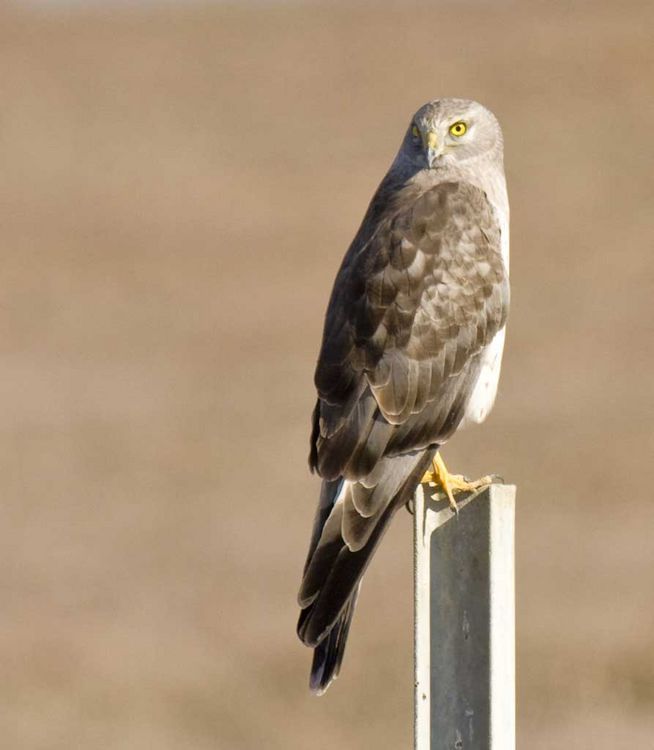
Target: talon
440	476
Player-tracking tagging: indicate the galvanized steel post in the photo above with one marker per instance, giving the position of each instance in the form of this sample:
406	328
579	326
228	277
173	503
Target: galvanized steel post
465	621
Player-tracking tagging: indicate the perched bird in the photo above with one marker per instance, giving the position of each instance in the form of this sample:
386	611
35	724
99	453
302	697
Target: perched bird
411	351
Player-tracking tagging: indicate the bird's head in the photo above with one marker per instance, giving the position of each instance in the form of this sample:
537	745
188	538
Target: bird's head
451	130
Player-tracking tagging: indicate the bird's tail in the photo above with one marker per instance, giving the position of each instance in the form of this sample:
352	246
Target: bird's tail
328	654
351	520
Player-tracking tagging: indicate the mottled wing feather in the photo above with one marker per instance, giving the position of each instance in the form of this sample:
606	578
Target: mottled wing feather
422	290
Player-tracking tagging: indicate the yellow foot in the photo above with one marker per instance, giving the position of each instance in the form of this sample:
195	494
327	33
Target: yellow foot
451	483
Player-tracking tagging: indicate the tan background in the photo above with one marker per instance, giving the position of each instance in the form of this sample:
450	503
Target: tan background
178	187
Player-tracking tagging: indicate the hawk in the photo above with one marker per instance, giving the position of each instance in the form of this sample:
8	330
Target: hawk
411	352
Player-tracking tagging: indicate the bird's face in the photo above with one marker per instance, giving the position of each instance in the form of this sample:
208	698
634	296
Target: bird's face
451	130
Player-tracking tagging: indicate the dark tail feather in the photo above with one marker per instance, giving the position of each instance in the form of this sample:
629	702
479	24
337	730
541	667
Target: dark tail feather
333	571
328	655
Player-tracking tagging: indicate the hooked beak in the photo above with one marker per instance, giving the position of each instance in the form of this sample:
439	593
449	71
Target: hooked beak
432	148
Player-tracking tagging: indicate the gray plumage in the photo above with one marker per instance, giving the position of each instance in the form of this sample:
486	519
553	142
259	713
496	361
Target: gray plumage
411	350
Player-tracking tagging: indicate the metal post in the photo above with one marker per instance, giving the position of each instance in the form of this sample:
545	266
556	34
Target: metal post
465	622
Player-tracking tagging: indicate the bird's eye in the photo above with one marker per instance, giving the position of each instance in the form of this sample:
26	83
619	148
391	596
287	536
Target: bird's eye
415	132
458	129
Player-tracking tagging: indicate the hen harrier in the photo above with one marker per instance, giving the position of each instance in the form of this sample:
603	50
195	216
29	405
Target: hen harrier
411	352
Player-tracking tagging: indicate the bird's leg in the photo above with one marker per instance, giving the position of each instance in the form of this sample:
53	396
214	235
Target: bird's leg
440	476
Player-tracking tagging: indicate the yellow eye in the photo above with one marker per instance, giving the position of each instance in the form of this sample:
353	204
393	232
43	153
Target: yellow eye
458	129
415	132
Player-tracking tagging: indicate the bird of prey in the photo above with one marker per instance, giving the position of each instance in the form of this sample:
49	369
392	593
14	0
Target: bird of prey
411	352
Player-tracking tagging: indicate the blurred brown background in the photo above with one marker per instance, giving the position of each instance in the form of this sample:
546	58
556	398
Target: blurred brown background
178	186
